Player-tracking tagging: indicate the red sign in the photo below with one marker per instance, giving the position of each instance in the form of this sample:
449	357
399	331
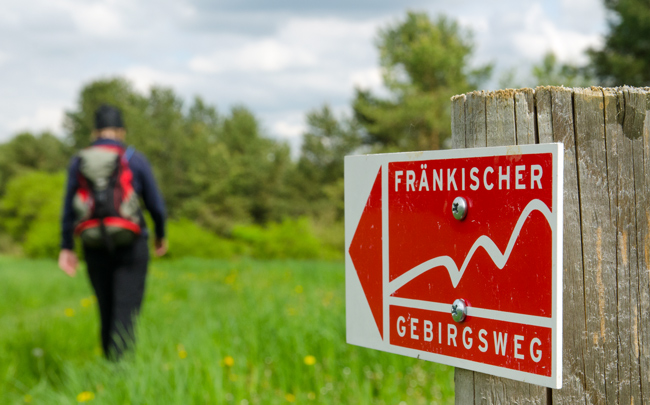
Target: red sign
410	258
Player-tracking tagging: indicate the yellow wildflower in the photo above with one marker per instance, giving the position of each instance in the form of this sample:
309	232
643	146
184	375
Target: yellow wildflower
182	353
85	396
290	397
231	278
69	312
86	302
298	289
310	360
28	398
229	361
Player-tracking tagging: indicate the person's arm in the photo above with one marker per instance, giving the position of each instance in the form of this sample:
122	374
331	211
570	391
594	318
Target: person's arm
67	256
153	202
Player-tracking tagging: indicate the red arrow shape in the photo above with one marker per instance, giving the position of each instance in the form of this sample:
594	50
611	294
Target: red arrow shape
366	253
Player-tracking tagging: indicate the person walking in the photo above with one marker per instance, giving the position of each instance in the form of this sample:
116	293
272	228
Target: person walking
101	206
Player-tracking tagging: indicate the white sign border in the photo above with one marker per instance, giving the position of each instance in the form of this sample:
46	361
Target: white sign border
360	174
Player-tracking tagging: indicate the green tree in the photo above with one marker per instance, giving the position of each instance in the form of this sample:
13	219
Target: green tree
217	170
318	180
258	168
550	73
424	63
154	125
326	143
625	57
27	152
79	123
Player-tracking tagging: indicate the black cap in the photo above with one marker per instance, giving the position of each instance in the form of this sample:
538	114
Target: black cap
107	116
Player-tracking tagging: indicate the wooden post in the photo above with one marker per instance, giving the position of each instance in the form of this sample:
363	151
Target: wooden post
606	336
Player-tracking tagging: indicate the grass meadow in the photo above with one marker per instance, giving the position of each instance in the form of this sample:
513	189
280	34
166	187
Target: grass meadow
211	332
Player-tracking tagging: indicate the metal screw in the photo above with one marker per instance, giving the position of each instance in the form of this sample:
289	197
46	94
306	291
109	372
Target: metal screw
459	310
459	208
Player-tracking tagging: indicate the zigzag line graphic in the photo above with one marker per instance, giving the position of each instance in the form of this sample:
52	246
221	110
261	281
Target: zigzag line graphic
500	259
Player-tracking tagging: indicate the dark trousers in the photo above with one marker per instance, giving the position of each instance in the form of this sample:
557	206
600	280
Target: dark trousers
118	279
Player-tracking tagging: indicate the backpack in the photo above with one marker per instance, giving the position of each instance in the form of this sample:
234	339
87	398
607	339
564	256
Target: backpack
106	206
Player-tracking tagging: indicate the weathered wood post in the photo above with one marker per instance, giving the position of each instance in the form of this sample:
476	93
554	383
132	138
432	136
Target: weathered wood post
606	336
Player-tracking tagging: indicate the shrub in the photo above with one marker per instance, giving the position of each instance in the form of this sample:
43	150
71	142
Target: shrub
43	239
30	212
289	239
292	238
188	239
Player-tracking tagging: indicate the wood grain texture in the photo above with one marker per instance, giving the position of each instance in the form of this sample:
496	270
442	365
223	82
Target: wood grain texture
635	220
635	112
458	121
555	109
475	120
641	154
621	181
606	252
500	118
544	114
598	239
525	116
464	386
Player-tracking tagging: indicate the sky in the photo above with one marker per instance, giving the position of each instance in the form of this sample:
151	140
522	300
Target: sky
279	58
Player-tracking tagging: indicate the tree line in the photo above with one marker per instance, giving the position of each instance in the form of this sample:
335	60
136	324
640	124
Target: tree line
219	169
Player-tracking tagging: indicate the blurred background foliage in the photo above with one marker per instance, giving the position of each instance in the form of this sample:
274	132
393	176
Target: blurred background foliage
424	62
231	190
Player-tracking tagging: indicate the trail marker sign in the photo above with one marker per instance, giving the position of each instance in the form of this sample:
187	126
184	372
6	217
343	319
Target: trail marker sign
410	256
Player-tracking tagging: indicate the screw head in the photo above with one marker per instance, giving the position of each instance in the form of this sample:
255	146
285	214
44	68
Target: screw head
459	310
459	208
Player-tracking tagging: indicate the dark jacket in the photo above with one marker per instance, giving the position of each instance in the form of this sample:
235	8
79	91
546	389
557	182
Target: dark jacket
143	183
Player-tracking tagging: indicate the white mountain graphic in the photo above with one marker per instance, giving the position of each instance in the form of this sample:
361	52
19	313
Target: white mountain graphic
499	259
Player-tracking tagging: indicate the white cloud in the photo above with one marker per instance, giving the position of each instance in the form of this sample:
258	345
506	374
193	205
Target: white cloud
287	126
287	129
279	60
100	18
9	16
97	19
266	55
300	44
540	35
582	15
478	25
330	34
367	79
45	118
143	77
4	57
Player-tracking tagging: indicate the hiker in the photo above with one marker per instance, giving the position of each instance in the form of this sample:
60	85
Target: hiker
101	206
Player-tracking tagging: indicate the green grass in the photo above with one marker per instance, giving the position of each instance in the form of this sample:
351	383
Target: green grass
265	316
